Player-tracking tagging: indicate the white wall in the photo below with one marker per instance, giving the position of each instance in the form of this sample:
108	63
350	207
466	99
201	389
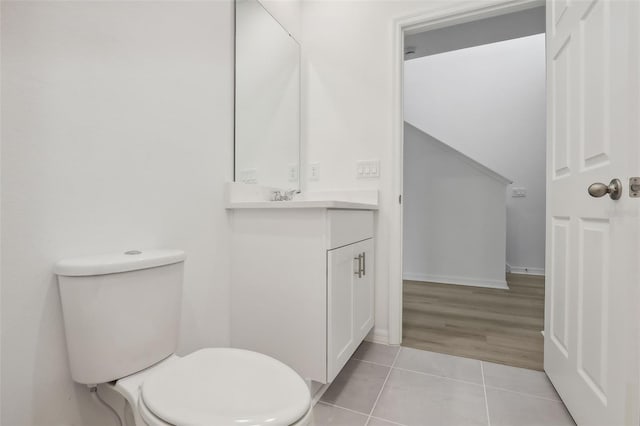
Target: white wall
117	134
288	14
0	217
489	103
454	215
348	101
348	106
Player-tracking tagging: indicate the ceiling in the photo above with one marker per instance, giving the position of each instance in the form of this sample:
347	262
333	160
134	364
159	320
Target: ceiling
490	30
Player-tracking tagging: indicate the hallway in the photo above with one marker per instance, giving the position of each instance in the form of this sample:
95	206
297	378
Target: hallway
495	325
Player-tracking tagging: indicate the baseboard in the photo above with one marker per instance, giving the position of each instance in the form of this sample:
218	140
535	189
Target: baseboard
318	390
474	282
378	335
525	270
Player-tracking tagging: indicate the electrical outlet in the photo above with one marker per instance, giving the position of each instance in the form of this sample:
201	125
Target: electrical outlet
292	172
367	169
518	192
249	176
314	171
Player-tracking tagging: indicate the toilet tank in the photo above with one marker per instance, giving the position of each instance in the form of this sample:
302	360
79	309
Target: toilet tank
121	311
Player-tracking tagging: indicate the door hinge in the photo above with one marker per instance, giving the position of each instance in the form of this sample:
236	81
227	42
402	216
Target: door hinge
400	199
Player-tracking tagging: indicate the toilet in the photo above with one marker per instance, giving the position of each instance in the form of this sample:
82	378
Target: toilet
121	317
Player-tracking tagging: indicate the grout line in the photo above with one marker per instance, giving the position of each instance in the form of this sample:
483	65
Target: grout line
438	376
359	412
395	358
371	362
383	385
385	420
525	394
418	372
341	407
486	400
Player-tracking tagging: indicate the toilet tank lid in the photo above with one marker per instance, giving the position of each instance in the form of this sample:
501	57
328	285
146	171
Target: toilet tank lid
130	260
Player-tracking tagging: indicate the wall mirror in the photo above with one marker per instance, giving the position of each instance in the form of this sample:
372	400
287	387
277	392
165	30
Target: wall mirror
267	100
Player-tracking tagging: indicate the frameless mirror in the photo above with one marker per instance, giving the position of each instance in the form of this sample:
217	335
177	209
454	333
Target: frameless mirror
267	115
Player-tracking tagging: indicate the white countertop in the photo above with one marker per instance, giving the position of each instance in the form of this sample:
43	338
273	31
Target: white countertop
302	204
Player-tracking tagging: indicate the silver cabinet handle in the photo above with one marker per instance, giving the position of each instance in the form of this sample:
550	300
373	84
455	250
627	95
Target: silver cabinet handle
364	265
359	259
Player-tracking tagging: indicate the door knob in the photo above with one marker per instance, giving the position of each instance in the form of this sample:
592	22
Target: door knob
614	189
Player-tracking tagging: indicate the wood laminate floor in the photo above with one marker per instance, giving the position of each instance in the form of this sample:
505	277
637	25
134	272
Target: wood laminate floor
495	325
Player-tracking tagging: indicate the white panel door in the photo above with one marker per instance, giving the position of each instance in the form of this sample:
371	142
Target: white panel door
592	298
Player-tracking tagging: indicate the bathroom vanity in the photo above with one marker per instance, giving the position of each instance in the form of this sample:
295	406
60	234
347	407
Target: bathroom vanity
302	282
302	269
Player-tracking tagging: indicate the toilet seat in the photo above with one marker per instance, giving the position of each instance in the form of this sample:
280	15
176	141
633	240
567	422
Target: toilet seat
151	420
148	417
224	386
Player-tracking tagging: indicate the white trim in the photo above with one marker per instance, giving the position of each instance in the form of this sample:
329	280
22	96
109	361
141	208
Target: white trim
525	270
443	279
318	394
421	21
378	335
443	146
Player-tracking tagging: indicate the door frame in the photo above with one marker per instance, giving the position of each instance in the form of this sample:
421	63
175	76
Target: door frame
419	22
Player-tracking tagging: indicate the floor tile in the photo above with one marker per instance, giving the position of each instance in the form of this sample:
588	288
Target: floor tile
440	364
375	352
357	386
519	380
379	422
508	409
329	415
417	399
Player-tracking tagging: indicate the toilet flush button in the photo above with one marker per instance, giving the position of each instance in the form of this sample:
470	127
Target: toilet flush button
132	252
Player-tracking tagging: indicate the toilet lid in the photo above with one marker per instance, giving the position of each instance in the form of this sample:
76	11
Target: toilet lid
224	386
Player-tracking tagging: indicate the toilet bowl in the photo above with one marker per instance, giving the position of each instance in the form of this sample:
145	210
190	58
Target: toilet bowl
121	316
217	386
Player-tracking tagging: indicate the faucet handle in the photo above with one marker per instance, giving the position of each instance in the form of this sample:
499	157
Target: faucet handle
288	195
283	195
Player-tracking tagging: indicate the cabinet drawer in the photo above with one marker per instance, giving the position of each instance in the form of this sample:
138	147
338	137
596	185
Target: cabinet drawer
348	226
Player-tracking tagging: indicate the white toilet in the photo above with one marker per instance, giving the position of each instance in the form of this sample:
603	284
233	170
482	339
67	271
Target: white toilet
121	316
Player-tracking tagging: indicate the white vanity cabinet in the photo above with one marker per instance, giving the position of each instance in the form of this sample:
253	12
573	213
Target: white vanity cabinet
302	285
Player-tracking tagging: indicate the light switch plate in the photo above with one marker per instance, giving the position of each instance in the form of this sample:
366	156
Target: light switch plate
367	169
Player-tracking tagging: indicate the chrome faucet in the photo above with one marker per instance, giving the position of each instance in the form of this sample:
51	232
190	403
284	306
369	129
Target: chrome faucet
283	195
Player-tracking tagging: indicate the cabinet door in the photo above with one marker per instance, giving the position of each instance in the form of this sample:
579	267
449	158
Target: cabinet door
350	302
363	291
341	341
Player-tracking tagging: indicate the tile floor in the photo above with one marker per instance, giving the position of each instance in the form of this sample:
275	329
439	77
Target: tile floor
385	385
